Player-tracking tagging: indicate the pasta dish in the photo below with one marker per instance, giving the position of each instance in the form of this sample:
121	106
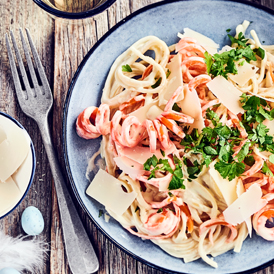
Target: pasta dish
187	138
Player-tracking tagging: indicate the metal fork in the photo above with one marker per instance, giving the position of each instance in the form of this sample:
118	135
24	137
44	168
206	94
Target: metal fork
36	102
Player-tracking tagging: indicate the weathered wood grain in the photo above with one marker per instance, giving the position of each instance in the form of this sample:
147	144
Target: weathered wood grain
62	46
15	14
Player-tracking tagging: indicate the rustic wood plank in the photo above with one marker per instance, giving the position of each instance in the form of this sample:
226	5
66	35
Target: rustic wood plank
15	14
136	5
72	42
112	260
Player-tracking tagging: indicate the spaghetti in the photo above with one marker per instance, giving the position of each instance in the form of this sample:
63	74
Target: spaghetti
202	156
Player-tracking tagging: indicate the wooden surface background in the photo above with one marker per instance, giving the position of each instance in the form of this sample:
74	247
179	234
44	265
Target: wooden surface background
61	47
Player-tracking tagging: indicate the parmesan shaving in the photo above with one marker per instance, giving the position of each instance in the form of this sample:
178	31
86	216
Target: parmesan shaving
227	188
207	43
108	191
226	93
245	73
13	149
154	112
191	106
245	206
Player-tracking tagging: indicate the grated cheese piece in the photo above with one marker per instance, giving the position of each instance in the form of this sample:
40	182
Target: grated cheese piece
240	190
14	147
130	167
154	112
226	93
208	44
175	80
191	106
245	206
245	73
141	154
23	174
226	187
225	49
108	191
141	113
107	217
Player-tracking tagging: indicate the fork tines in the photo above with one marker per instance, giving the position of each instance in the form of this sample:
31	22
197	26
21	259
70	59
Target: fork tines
28	89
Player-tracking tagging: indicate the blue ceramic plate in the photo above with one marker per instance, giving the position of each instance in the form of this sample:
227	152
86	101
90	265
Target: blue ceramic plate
165	20
26	171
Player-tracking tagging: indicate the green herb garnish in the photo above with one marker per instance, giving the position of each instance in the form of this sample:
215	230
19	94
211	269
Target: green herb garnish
225	62
157	83
100	213
168	73
126	68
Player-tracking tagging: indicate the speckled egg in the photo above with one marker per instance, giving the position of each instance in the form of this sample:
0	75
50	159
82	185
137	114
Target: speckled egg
32	221
8	270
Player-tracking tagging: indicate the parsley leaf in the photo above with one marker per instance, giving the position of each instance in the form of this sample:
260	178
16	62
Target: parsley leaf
168	73
243	152
208	61
157	83
266	170
176	108
241	41
126	68
260	52
225	62
230	170
152	161
249	160
225	153
176	183
210	150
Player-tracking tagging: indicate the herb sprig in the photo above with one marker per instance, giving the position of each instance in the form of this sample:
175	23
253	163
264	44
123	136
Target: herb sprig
153	164
225	62
217	142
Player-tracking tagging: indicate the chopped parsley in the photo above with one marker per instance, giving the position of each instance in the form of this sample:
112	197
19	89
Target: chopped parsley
164	166
266	170
260	52
157	83
126	68
218	142
160	210
175	107
100	213
168	73
225	62
152	161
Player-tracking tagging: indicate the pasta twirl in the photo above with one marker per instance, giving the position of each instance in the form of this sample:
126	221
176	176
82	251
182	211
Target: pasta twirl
187	147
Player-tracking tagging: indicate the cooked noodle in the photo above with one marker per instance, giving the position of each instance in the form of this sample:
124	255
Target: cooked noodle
186	223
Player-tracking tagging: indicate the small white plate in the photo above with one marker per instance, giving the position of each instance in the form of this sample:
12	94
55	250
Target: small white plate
21	179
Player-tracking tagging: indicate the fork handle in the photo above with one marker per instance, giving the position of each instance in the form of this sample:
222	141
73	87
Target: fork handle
80	253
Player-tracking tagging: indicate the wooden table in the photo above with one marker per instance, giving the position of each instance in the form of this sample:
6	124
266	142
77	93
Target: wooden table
61	48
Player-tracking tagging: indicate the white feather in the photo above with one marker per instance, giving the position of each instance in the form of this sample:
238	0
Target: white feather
22	254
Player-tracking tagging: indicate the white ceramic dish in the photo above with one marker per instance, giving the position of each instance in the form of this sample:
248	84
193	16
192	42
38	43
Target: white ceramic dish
22	177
